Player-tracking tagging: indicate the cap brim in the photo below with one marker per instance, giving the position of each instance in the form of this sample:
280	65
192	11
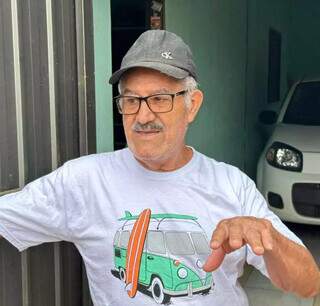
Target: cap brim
169	70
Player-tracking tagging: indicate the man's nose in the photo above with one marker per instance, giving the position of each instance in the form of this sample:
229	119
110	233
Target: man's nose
145	114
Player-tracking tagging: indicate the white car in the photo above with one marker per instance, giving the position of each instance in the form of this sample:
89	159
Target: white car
288	172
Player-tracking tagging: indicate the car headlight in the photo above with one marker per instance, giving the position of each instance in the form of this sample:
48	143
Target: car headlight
285	157
182	273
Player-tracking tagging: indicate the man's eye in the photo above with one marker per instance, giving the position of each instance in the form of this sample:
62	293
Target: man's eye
129	100
160	98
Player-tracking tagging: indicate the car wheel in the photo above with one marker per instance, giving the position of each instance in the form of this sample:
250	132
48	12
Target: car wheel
157	292
205	292
122	274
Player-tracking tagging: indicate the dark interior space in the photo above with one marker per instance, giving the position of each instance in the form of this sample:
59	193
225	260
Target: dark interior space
129	18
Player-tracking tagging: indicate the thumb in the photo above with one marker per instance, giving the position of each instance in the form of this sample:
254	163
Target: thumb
214	260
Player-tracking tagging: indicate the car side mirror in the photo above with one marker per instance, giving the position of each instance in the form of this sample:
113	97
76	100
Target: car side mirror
268	117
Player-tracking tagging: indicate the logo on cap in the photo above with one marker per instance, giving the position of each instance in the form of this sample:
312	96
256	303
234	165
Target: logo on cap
166	55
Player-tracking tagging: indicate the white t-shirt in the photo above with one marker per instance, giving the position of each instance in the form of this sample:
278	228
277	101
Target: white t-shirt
92	201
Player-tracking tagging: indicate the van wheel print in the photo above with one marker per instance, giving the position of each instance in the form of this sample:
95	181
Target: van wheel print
157	292
122	274
205	292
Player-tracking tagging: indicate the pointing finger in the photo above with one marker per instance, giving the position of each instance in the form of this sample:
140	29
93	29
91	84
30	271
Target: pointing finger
214	260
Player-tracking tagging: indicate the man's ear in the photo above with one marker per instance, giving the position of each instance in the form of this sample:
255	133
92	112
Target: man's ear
196	101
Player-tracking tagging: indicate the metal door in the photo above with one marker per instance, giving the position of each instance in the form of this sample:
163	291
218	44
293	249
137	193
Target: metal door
46	118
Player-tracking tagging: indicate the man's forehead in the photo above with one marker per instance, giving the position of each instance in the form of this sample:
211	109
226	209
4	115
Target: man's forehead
132	91
148	83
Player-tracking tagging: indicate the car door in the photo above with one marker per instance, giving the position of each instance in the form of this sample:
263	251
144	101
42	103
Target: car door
157	261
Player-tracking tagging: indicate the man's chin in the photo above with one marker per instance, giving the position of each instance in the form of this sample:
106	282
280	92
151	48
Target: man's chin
146	155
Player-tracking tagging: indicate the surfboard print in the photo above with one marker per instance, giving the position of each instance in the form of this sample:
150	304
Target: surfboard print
134	252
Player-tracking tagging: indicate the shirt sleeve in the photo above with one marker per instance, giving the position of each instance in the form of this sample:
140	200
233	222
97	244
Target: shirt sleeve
254	204
37	213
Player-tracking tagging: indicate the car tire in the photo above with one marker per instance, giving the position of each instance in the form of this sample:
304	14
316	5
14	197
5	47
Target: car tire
157	292
206	292
122	274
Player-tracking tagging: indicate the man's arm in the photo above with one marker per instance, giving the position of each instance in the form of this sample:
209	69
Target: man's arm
38	212
290	266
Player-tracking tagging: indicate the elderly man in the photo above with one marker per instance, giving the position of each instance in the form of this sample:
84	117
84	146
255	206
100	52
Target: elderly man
142	217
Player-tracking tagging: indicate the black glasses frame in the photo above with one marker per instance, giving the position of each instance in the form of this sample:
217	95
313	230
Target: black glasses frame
173	95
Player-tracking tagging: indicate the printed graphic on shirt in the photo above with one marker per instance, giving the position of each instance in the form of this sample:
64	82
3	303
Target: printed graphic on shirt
134	252
161	256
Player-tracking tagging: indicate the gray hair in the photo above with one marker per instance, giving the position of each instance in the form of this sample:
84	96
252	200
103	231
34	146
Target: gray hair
189	83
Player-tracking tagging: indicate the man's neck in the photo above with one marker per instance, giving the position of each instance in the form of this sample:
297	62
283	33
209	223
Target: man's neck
174	163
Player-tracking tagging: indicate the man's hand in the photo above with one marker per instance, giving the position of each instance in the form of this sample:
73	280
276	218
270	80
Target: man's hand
290	266
232	234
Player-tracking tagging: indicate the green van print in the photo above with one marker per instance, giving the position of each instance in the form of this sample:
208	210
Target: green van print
176	247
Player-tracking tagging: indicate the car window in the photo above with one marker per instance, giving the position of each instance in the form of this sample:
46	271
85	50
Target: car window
304	107
124	240
179	243
155	242
116	238
200	243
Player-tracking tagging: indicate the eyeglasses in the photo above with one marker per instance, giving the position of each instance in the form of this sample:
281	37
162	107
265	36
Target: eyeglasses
158	103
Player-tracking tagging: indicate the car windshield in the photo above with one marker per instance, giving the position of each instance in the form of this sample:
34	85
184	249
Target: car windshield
200	243
304	107
179	243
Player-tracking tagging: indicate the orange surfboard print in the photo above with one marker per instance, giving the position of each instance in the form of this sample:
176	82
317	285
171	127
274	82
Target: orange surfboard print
134	252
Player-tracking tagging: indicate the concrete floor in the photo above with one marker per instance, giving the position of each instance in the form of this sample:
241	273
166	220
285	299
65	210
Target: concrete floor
259	289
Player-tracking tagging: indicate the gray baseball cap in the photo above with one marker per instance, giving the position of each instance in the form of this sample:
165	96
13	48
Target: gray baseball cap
160	50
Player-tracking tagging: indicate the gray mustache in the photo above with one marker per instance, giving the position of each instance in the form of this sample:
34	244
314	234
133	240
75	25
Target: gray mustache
150	126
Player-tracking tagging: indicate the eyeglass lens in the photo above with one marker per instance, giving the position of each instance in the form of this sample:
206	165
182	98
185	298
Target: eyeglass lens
157	103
